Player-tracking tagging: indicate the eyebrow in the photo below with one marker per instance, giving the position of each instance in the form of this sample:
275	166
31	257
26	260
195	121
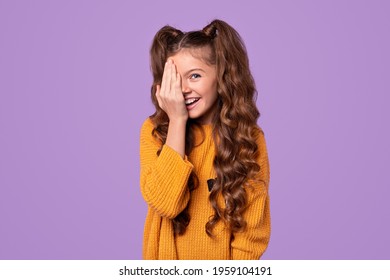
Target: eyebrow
191	70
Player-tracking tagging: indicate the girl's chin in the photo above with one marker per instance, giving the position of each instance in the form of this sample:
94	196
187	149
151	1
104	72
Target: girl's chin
202	119
194	114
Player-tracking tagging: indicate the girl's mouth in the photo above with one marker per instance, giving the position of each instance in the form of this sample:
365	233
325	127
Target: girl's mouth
191	102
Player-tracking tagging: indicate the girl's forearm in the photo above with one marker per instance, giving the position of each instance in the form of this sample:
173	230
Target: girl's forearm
176	136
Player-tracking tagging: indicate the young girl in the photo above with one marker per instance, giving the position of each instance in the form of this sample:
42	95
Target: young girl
204	163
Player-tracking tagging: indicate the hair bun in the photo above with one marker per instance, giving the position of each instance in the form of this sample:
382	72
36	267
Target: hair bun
211	30
168	34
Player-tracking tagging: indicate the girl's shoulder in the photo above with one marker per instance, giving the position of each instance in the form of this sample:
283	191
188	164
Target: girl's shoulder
147	124
147	128
262	159
258	133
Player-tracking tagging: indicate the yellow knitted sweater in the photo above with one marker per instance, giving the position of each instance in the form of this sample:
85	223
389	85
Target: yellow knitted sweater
164	188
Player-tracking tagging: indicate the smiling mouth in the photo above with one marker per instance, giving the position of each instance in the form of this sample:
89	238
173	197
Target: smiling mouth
191	101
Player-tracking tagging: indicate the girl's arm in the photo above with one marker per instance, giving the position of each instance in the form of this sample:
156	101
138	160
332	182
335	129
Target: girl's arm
253	241
163	178
171	100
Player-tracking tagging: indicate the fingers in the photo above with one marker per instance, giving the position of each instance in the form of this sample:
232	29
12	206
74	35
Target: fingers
158	95
178	84
173	74
175	81
166	79
169	94
171	80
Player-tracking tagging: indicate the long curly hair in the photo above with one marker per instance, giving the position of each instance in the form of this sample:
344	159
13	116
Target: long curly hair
234	124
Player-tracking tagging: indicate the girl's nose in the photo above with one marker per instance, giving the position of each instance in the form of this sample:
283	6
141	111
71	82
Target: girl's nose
184	87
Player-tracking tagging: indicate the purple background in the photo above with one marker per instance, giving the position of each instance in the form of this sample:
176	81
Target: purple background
74	91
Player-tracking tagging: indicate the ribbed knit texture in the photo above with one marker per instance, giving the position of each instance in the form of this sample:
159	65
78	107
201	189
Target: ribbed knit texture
164	188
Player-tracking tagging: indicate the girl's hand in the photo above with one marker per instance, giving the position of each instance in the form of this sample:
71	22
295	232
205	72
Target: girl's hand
169	95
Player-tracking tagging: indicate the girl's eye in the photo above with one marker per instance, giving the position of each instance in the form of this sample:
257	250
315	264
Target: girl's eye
195	76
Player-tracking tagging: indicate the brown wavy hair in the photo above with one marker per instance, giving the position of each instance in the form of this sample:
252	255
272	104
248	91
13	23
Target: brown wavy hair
234	124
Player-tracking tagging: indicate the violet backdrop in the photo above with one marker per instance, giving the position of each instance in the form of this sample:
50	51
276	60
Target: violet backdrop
74	91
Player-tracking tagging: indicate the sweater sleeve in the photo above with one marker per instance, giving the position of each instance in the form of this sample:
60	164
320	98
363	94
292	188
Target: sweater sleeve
163	178
253	241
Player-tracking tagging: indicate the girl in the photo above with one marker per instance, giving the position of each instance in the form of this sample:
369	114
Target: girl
204	163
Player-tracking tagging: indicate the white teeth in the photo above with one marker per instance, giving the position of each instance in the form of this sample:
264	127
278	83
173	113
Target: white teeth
191	100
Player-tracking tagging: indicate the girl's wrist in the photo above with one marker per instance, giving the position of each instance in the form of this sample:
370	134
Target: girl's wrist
176	135
178	121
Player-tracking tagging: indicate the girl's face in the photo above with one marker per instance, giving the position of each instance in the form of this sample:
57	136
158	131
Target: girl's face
199	85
